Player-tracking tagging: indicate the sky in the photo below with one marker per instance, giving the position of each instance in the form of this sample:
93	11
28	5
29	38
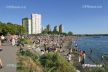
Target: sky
78	16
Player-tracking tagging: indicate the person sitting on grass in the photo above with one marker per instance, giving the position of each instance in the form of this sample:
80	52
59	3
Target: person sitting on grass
69	57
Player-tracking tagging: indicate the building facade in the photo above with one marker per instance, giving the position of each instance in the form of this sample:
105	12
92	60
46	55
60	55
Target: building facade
29	26
48	27
32	25
36	24
55	29
26	23
61	28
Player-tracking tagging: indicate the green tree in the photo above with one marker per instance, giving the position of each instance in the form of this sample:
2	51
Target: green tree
45	31
70	33
10	28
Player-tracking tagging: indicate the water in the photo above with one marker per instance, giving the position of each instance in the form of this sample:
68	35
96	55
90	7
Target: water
98	45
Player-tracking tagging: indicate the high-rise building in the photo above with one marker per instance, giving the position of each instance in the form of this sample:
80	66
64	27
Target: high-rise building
48	27
61	28
26	23
55	29
29	26
36	24
33	25
42	28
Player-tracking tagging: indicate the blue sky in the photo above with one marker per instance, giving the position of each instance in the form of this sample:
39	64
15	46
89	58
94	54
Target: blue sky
78	16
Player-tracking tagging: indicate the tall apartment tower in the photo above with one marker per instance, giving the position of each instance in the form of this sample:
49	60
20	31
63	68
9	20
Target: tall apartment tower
48	27
61	28
36	24
29	26
26	23
55	29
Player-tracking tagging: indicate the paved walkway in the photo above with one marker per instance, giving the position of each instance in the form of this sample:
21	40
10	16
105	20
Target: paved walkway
8	56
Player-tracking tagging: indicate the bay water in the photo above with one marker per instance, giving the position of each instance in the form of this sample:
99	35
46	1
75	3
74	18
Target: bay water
96	48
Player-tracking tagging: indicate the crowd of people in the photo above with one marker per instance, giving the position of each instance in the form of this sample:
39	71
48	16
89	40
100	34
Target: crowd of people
48	43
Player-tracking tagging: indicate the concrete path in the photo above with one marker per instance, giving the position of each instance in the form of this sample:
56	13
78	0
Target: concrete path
8	57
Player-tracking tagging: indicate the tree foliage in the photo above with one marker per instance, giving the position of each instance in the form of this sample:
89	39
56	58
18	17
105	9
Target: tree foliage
70	33
45	31
10	28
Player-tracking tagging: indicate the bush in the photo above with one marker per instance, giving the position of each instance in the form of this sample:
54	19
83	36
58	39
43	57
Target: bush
35	57
50	62
28	65
28	62
54	62
26	41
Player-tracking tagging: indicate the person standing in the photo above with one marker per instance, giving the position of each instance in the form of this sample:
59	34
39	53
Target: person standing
80	56
2	38
13	41
1	65
83	57
0	44
34	45
90	51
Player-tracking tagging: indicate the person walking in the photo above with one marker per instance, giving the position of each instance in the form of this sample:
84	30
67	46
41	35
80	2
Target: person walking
13	41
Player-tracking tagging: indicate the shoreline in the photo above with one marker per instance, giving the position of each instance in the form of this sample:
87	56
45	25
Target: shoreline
75	54
68	43
88	67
